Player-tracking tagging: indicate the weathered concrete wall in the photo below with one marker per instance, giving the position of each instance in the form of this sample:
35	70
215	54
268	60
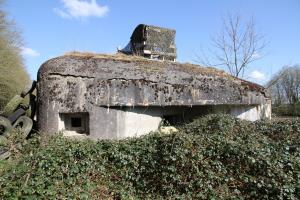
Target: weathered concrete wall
127	97
139	121
246	112
252	113
116	123
120	82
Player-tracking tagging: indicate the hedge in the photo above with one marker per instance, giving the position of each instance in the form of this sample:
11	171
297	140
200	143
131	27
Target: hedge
214	157
287	110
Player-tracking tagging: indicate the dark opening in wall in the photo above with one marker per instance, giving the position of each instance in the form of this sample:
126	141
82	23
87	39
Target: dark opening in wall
178	115
173	119
75	122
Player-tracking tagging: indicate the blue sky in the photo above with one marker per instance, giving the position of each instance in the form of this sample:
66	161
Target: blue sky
52	27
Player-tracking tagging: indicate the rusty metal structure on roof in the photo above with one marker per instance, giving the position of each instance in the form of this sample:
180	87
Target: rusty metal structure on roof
152	42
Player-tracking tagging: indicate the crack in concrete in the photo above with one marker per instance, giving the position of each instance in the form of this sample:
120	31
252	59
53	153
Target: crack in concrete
112	79
71	75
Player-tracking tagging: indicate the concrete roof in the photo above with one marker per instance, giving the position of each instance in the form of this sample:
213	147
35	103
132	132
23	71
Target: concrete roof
136	80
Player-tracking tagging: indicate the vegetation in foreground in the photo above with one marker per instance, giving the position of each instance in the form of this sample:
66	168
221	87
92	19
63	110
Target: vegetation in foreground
214	157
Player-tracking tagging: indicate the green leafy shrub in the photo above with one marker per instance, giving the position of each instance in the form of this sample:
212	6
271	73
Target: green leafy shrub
287	109
214	157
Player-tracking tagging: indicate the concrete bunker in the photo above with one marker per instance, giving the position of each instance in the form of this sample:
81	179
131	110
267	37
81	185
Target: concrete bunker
117	96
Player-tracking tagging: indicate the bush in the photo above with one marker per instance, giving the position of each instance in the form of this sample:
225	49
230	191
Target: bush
287	110
214	157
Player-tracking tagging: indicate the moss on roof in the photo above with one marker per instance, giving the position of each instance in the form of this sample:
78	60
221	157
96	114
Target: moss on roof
111	66
144	62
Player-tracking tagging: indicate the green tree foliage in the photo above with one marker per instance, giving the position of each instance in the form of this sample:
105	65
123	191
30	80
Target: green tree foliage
214	157
13	75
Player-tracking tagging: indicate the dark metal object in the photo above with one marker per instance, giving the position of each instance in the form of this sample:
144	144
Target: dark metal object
28	89
152	42
32	102
18	113
15	114
24	125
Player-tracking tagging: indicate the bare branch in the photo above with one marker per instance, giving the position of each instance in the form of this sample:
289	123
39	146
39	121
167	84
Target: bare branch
237	45
285	85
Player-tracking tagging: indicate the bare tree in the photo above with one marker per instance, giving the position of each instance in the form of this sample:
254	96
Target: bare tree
285	85
235	47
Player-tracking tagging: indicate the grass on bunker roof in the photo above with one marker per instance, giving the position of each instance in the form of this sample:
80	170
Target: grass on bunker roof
148	63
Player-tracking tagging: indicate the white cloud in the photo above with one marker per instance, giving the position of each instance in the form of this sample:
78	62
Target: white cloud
79	9
257	75
256	55
61	13
25	51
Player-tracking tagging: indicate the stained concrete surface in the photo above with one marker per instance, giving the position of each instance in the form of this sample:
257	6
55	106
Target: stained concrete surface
115	89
